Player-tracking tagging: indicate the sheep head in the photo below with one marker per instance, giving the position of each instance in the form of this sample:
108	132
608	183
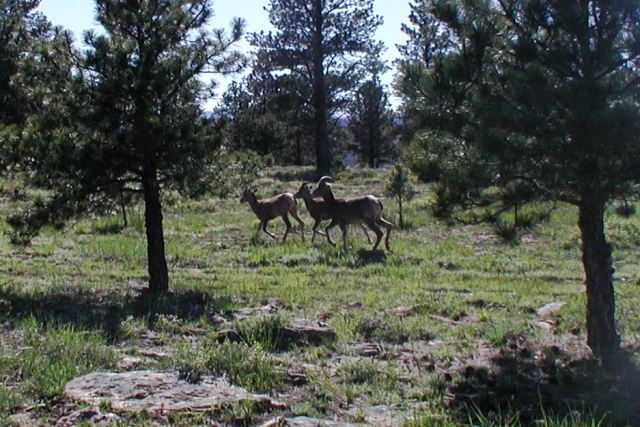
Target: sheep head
247	194
303	191
322	190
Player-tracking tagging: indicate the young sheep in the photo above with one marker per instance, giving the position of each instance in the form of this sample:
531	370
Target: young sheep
277	206
357	210
317	208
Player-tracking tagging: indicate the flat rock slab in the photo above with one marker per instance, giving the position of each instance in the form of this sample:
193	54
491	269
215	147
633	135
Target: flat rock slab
90	416
160	392
550	309
384	416
403	311
366	349
315	422
270	307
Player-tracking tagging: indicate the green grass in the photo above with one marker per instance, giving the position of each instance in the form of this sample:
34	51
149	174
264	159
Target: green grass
245	365
263	331
70	304
43	358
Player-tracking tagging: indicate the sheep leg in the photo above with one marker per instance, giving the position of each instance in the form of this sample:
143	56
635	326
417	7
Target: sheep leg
326	230
315	229
264	228
345	230
366	233
386	224
372	224
294	214
285	218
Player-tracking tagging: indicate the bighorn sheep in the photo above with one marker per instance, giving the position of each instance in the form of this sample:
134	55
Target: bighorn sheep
357	210
267	209
317	208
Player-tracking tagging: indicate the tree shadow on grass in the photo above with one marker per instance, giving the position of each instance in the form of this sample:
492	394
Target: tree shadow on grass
537	385
105	310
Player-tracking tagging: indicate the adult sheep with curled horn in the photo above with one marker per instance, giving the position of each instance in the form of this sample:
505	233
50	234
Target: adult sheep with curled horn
317	208
356	210
277	206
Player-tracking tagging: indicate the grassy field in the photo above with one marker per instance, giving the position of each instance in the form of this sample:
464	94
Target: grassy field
451	315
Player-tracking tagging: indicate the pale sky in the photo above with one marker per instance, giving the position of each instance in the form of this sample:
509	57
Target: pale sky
78	15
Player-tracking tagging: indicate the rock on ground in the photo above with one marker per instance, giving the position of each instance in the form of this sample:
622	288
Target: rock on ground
550	309
160	392
314	422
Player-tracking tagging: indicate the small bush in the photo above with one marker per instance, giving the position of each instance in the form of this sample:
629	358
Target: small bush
244	365
625	209
400	186
324	393
366	377
358	372
426	418
264	331
9	399
247	366
507	231
443	205
167	323
367	372
624	235
136	220
499	333
241	413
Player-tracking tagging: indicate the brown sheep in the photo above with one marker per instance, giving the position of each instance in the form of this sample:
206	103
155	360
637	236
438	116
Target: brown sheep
277	206
357	210
318	210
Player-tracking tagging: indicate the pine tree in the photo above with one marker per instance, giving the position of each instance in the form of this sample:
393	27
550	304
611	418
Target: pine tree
428	40
26	37
127	118
14	21
247	123
268	114
400	186
371	121
543	93
327	43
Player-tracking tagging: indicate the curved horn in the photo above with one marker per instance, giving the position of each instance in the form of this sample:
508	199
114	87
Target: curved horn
325	179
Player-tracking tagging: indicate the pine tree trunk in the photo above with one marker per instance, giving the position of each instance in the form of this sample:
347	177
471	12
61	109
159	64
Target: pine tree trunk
372	158
602	337
321	131
123	206
401	217
158	272
372	143
298	149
